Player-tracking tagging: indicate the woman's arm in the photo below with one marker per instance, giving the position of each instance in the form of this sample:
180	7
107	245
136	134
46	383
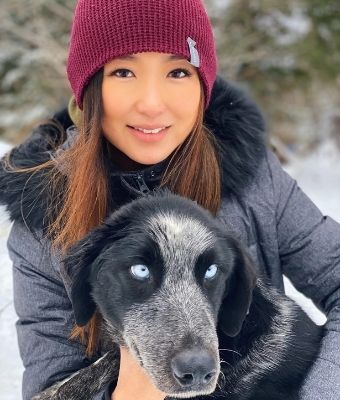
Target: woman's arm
45	316
309	246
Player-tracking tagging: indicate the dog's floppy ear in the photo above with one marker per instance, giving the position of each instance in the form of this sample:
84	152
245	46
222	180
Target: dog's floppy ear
238	292
81	258
78	263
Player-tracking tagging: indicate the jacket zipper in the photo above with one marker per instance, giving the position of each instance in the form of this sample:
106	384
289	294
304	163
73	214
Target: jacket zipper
142	185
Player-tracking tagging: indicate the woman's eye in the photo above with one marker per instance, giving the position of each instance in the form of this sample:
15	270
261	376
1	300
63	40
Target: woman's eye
140	272
121	73
181	71
178	73
211	272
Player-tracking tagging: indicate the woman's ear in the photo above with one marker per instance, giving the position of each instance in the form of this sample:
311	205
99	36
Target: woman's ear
239	291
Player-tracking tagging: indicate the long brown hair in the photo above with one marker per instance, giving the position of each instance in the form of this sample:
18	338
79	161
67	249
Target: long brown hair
193	172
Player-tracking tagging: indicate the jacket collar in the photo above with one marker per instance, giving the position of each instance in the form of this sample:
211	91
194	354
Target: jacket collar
232	117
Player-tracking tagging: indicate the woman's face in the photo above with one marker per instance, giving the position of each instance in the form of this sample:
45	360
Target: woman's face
149	91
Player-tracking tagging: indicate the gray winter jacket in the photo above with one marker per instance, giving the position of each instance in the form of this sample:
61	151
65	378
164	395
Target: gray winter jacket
283	230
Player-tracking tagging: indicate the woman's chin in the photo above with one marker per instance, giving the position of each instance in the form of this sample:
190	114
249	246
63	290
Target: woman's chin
148	160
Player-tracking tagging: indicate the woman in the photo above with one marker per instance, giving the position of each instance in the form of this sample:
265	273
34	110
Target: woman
148	111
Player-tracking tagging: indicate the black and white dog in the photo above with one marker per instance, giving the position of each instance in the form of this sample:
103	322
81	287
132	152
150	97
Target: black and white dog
183	296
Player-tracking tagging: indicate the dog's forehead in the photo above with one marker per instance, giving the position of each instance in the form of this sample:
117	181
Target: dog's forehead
178	231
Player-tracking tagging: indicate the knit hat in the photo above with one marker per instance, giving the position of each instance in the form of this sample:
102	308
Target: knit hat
105	29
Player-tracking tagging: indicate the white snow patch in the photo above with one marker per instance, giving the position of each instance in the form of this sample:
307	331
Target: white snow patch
318	174
285	29
11	366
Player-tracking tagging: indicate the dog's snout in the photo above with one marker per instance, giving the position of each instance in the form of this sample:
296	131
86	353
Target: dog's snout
193	367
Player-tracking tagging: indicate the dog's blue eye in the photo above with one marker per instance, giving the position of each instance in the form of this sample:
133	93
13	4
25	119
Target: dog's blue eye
140	271
211	272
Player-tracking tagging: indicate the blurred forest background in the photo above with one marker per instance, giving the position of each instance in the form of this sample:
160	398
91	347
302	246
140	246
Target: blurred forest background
286	53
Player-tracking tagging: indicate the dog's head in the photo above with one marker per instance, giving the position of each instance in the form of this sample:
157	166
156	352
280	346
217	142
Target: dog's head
164	273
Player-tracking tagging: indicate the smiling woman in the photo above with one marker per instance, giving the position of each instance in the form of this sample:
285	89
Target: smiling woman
150	105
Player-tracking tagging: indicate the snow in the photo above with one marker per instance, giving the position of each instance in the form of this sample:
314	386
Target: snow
11	368
285	29
318	175
9	118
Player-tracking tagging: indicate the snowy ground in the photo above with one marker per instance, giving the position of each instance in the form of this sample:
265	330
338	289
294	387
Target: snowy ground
11	368
319	177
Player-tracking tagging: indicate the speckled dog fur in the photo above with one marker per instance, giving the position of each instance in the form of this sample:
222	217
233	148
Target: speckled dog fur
258	339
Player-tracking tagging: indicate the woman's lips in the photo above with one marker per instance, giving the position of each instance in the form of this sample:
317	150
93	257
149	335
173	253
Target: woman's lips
148	137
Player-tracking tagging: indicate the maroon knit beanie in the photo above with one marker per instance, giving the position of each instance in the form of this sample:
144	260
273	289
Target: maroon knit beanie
104	29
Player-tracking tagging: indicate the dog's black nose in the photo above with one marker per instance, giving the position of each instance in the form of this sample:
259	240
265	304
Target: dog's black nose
193	367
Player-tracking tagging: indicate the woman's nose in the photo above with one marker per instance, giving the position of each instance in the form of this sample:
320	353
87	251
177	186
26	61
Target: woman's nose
151	99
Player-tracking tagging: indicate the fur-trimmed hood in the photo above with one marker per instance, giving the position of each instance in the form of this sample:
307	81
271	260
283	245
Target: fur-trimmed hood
232	116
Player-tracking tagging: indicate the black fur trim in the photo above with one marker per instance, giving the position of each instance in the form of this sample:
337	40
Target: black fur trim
239	127
26	194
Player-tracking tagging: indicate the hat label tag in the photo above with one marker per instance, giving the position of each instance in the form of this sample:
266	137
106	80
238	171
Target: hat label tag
195	58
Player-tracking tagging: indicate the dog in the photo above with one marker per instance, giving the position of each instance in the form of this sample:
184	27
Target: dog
183	295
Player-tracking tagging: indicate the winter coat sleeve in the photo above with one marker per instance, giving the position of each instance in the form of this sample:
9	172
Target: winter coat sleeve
309	248
45	316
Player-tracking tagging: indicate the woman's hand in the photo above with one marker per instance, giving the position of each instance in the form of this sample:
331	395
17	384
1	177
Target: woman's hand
133	382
